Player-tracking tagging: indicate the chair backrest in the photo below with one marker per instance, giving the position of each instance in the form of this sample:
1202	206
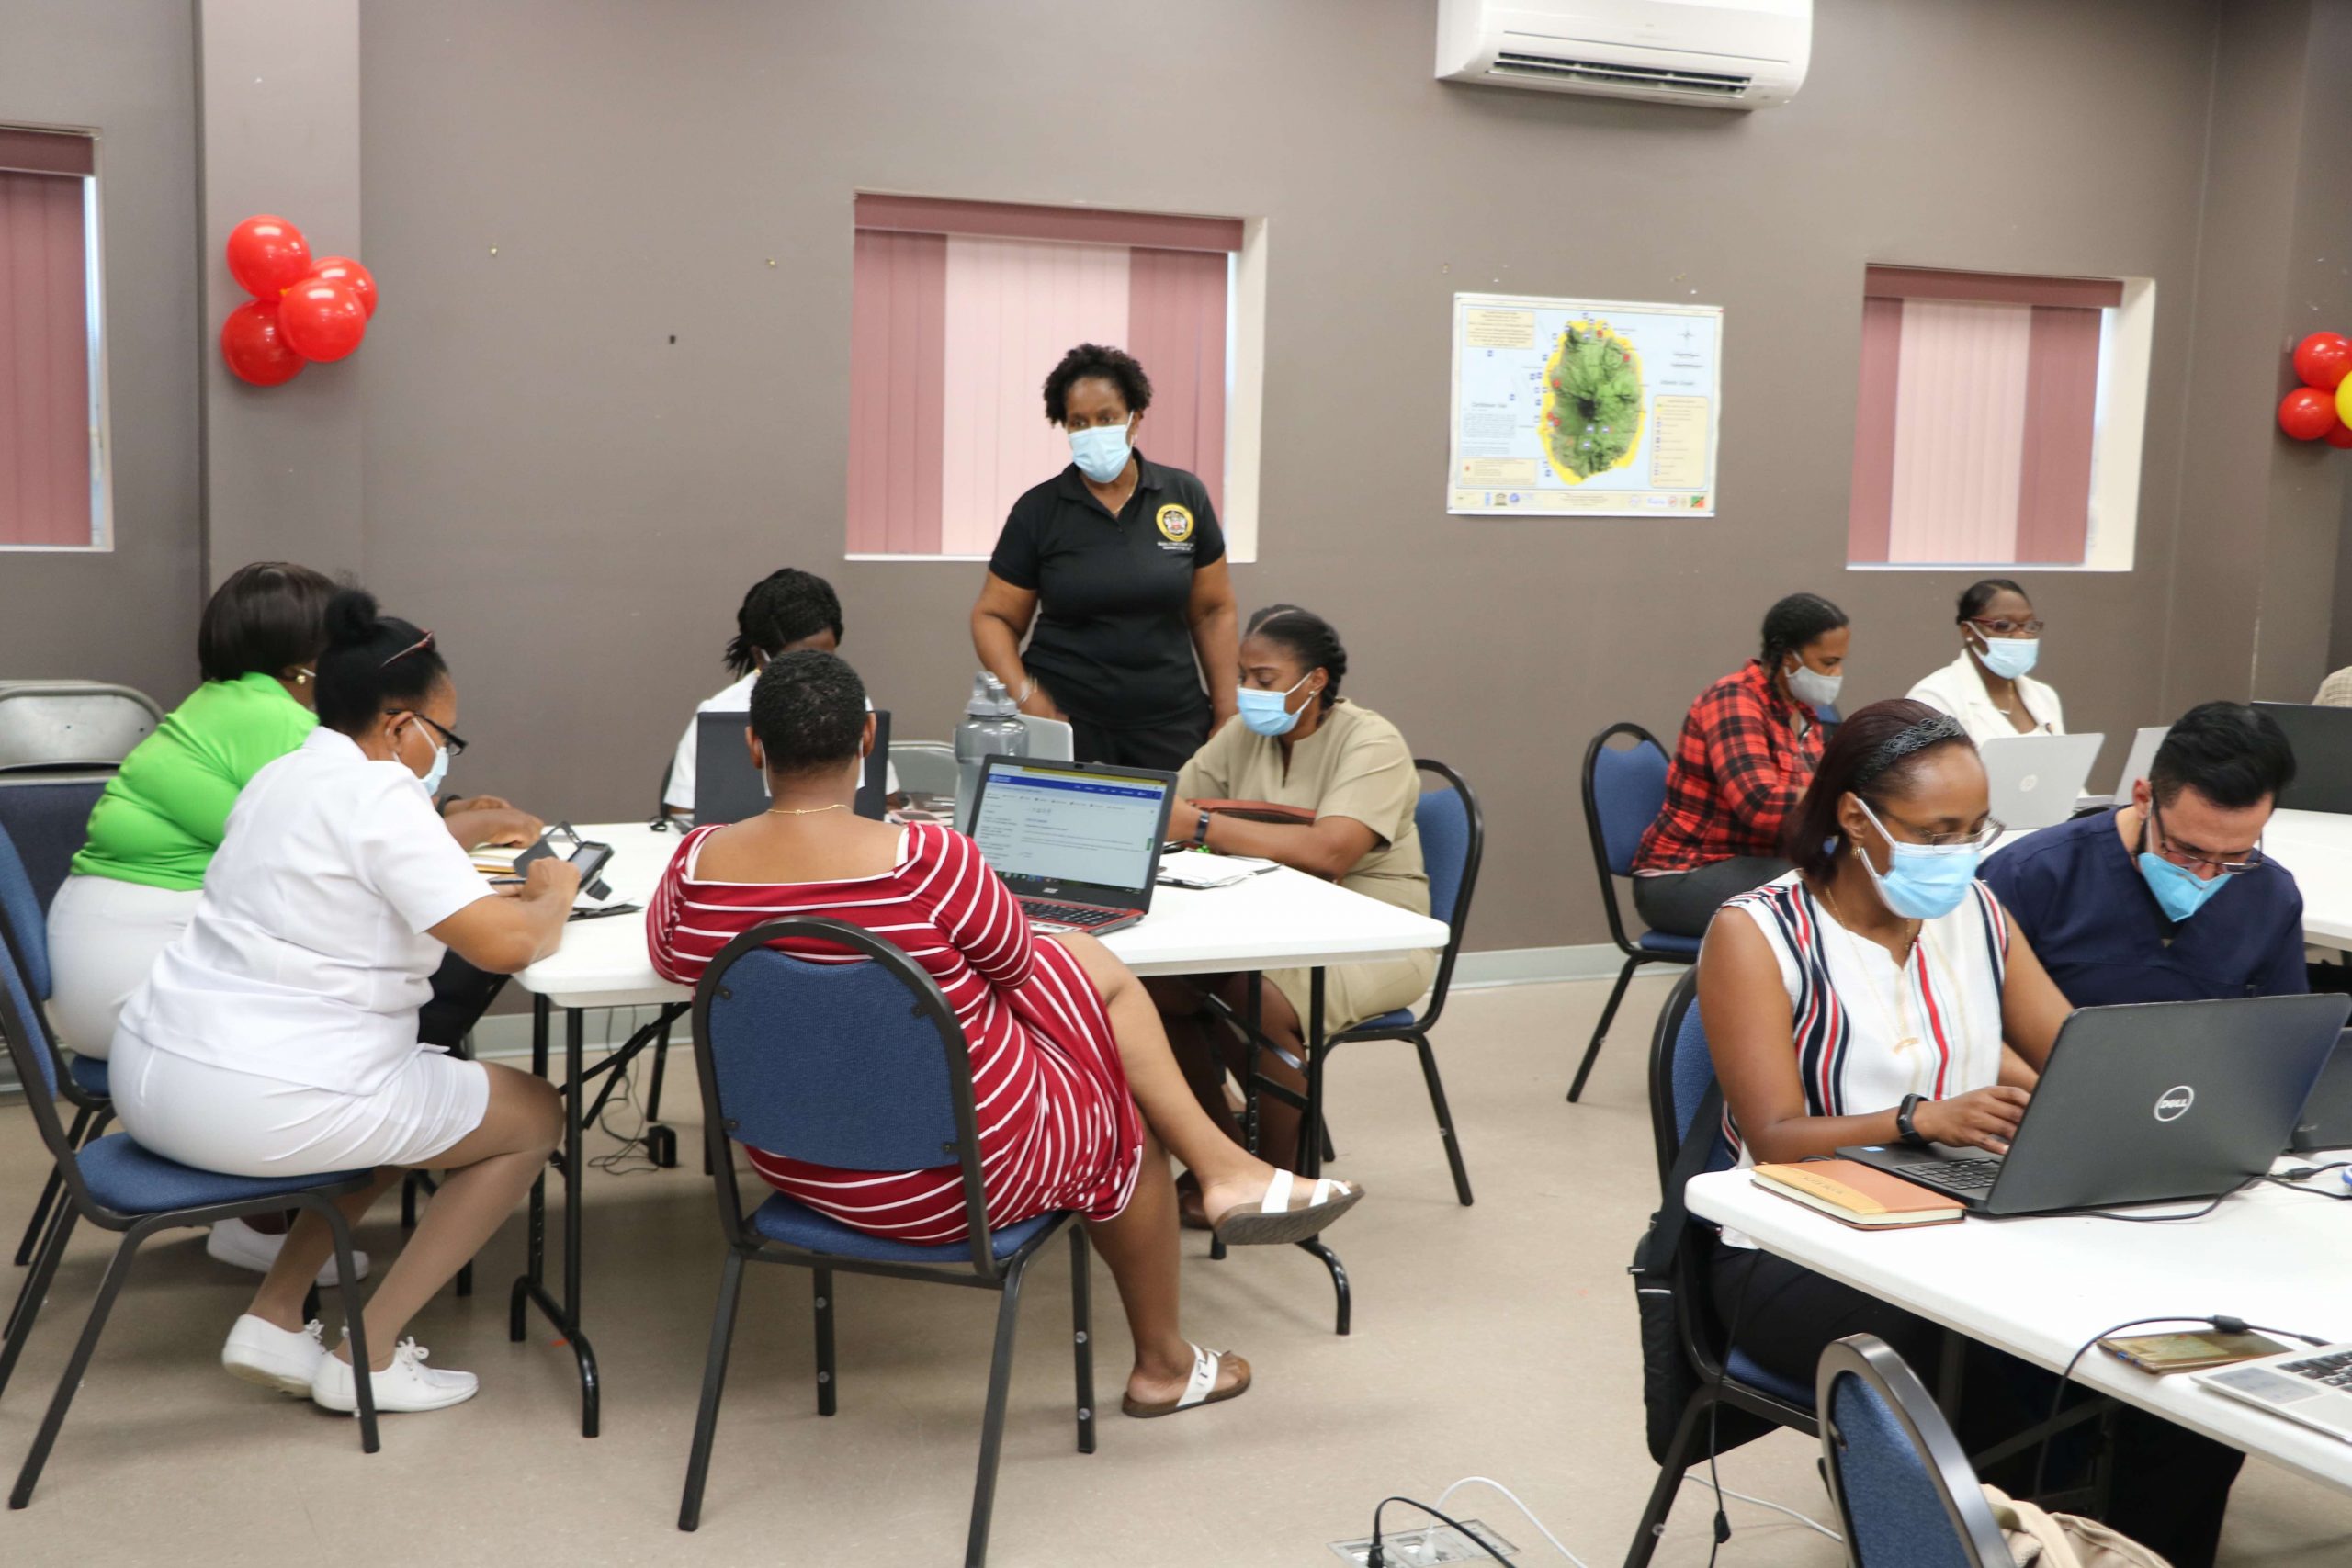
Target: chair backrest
1905	1489
852	1059
1624	789
23	969
49	821
1452	829
924	767
1681	1072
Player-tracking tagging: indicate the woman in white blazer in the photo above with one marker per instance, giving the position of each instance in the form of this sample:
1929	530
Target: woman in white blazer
1986	688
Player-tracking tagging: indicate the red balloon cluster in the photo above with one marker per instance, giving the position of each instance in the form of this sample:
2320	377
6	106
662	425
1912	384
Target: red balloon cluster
2321	409
301	309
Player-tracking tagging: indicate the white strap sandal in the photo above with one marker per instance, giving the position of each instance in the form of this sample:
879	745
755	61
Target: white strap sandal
1275	1221
1200	1388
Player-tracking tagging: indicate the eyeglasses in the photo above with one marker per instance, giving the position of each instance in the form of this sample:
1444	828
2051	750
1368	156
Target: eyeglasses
417	647
2187	855
449	738
1981	838
2001	625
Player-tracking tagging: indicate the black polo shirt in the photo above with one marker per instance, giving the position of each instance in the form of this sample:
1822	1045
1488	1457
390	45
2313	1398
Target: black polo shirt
1112	644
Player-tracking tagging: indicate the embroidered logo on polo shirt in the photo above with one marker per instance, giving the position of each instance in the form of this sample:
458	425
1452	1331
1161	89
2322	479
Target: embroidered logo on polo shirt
1175	524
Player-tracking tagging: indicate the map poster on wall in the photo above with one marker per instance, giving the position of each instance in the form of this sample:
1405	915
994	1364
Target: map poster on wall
1596	407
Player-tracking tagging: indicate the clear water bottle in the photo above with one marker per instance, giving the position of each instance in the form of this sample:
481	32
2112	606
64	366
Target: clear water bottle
992	727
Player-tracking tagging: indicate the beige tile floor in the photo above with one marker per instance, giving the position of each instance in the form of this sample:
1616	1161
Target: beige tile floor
1496	1340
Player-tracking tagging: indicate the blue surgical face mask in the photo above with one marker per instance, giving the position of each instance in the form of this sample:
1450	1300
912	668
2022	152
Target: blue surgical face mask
1268	713
2009	656
1102	452
2179	891
438	772
1922	881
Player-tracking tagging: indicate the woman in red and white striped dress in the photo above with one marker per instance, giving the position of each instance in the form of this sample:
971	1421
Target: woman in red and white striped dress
1078	1097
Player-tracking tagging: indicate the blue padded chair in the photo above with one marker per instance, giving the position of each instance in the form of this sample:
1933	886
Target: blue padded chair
1753	1401
1624	789
116	1185
1453	840
1906	1492
860	1065
49	819
84	1080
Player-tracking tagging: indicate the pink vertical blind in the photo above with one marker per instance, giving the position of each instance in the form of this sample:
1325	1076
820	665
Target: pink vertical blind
45	410
959	309
1974	427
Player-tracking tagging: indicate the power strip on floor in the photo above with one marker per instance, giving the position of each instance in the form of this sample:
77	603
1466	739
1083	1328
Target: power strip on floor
1432	1546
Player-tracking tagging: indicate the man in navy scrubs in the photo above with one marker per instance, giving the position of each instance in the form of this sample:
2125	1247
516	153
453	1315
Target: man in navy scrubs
2169	899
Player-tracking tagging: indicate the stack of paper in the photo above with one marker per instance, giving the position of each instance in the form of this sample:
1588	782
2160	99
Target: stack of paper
1190	868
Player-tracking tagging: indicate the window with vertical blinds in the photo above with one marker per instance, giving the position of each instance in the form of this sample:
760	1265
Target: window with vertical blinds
52	467
1976	430
957	311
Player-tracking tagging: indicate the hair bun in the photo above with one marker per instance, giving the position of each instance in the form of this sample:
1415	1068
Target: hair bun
351	619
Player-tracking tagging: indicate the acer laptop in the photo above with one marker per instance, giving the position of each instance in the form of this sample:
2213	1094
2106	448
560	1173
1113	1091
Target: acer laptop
728	789
2321	738
1077	842
2036	779
2146	1103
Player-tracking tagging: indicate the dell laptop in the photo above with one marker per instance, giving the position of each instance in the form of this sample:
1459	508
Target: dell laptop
1077	842
2326	1120
2321	738
2036	779
728	789
2146	1103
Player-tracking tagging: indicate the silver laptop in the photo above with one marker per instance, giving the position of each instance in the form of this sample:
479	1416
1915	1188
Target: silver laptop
2311	1387
2142	757
2035	779
1050	739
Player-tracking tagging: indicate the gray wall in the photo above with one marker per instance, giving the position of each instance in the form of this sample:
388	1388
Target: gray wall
125	68
577	503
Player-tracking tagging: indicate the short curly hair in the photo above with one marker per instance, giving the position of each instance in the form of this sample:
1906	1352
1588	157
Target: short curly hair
1092	359
809	710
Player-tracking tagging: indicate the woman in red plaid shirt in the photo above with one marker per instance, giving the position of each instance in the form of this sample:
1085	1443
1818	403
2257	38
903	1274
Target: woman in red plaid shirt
1747	751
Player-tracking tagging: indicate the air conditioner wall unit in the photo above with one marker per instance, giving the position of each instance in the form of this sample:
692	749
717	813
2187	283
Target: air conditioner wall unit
1730	54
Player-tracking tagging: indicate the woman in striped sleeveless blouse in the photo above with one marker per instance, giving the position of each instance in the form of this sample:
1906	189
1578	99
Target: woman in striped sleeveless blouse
1878	993
1079	1099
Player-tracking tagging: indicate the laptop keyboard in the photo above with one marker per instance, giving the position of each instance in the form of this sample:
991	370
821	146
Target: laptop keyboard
1081	915
2335	1370
1968	1175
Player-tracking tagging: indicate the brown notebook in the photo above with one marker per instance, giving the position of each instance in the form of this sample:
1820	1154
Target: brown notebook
1856	1195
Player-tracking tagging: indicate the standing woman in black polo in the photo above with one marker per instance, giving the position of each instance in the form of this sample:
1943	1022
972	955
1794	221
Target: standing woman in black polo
1119	564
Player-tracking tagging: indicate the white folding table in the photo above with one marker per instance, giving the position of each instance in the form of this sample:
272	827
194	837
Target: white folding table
2040	1286
1284	920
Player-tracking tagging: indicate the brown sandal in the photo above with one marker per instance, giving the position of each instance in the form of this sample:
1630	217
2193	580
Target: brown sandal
1200	1389
1275	1221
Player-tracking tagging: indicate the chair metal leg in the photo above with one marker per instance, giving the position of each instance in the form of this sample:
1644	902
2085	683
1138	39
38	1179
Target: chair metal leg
1600	1030
29	1246
1444	1119
28	1301
1081	1318
826	1383
976	1544
660	1065
68	1385
408	1199
1669	1480
714	1383
354	1328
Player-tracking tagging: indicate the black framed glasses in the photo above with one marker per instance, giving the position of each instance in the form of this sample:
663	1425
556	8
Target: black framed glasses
2187	856
2001	625
449	738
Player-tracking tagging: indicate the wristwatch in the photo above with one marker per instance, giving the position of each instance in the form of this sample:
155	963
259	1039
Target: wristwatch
1201	833
1903	1127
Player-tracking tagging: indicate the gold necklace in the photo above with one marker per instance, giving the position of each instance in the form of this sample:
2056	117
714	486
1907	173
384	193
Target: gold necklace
804	810
1903	1042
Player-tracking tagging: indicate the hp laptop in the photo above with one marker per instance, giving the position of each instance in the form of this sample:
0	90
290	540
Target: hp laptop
2311	1387
2322	741
2326	1120
2143	758
728	789
2035	779
1077	842
1050	739
2146	1103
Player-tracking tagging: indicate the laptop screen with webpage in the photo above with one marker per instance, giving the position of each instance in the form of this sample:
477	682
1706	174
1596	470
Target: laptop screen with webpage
1050	828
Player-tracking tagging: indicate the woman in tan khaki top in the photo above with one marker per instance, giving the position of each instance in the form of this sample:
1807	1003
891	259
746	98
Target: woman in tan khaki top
1296	743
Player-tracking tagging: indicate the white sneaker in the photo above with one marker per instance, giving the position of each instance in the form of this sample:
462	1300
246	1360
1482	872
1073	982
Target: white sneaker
233	1241
407	1384
285	1360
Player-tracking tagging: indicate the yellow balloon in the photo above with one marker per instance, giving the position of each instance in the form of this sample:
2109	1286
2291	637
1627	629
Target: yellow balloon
2343	400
